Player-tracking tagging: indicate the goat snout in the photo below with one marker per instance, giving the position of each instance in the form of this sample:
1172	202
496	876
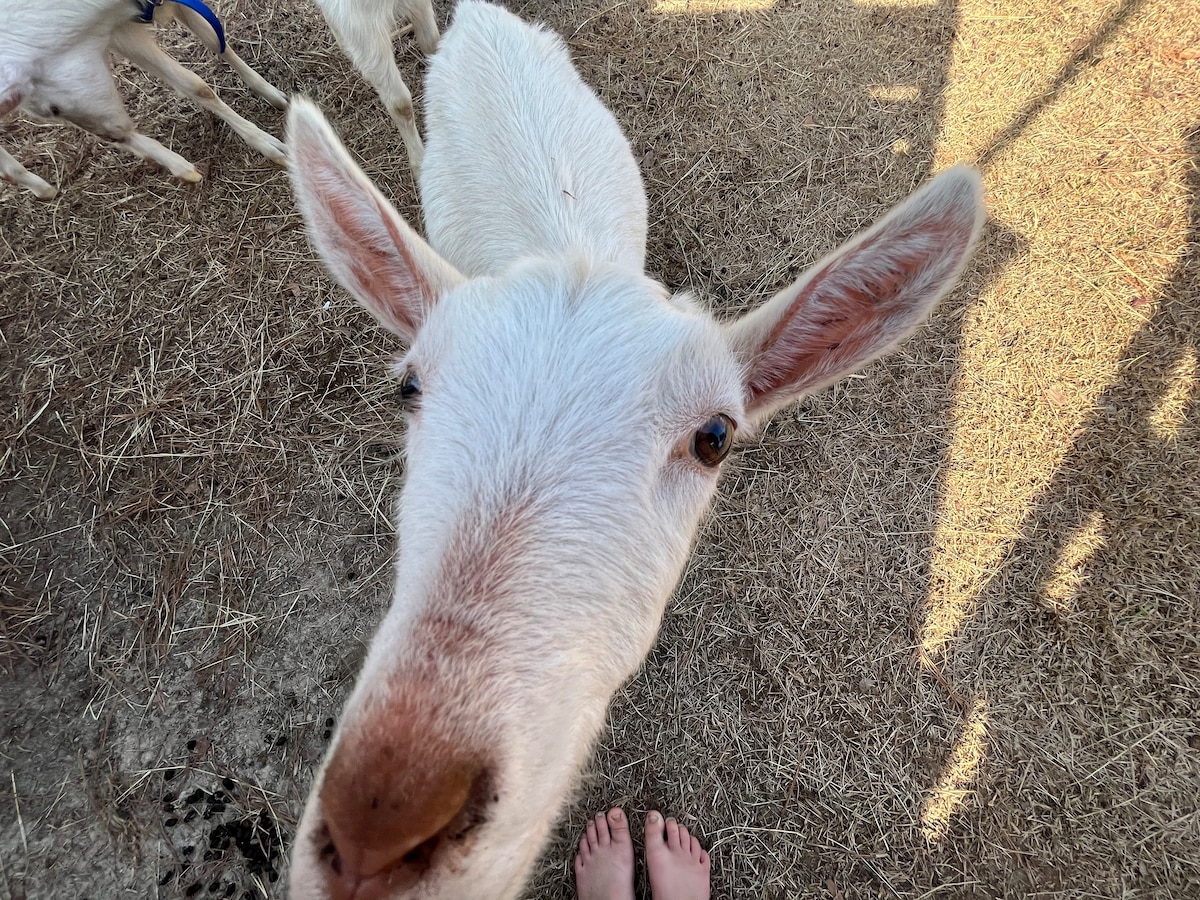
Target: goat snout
388	808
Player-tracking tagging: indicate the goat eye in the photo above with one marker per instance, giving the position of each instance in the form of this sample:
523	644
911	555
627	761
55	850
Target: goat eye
713	440
410	390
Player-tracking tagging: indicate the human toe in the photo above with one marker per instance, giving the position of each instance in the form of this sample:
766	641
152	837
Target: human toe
600	825
673	834
617	823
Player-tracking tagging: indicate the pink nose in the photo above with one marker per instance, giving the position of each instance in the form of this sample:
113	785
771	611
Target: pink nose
389	807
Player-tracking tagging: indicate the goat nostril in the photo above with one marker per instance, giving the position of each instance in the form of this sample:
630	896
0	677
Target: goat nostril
419	856
361	872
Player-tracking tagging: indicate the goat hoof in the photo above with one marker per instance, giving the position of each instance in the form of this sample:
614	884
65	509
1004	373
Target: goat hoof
277	154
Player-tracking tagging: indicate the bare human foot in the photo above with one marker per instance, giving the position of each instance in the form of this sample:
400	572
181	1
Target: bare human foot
677	864
604	864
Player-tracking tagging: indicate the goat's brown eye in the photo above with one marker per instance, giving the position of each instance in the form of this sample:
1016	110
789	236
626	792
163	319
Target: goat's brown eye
713	440
410	391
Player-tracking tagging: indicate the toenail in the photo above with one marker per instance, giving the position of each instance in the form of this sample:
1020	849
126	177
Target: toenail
652	817
616	815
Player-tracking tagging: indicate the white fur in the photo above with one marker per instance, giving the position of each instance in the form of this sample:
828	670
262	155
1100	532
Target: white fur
364	28
551	496
54	65
572	187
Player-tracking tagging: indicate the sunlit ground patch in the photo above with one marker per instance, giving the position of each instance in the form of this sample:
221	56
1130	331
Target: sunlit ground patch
706	7
1083	173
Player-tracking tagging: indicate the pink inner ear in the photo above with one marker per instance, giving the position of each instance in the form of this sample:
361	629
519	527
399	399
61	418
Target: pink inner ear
783	370
379	261
832	318
9	102
419	288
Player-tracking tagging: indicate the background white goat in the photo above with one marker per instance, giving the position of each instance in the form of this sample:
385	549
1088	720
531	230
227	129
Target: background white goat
54	65
567	421
364	29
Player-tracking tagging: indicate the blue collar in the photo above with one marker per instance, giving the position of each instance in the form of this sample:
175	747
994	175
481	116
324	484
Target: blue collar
146	14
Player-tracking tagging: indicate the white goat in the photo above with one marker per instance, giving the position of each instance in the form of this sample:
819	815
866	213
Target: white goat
567	421
364	30
54	65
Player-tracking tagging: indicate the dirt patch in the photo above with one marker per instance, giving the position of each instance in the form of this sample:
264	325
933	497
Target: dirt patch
940	634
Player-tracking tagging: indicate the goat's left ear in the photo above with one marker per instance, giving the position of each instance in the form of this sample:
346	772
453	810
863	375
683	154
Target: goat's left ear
365	243
861	300
14	84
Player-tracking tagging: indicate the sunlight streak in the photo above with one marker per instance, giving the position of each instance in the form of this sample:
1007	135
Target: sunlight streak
896	93
1063	586
1171	410
899	4
958	776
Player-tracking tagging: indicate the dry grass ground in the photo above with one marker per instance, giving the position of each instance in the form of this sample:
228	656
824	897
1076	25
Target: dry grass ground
940	637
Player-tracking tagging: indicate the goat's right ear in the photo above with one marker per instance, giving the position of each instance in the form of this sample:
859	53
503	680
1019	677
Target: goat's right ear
14	84
861	300
365	243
